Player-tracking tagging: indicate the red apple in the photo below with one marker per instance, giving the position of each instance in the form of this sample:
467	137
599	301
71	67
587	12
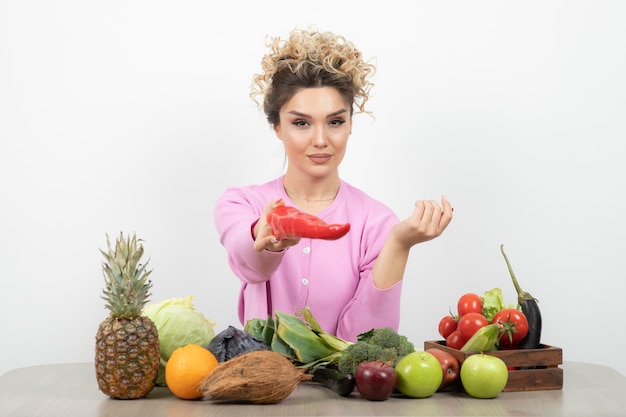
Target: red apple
375	380
449	365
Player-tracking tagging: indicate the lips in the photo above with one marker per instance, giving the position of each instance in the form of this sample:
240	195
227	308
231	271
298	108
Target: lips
320	158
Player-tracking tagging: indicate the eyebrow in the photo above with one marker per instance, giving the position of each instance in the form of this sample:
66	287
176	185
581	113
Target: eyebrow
333	114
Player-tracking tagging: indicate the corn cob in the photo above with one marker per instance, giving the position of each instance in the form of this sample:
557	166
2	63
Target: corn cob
484	340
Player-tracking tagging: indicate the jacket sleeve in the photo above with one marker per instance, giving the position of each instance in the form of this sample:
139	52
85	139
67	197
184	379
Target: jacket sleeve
235	215
371	307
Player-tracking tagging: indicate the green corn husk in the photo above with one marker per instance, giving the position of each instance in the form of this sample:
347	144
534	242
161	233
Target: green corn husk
311	321
484	340
331	340
307	346
280	346
301	340
269	329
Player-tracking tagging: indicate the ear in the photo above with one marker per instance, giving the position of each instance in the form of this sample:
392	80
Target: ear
277	131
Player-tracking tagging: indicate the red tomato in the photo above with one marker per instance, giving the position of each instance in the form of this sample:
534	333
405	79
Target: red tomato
447	325
454	340
469	303
514	326
470	323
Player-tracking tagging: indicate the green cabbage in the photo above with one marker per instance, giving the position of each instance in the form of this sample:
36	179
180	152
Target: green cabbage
178	324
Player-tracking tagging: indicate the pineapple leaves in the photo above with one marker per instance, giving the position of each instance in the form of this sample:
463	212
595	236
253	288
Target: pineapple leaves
127	287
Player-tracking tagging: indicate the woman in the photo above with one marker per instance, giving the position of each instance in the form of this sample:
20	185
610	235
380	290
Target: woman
310	84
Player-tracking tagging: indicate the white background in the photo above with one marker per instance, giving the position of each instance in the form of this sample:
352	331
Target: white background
134	116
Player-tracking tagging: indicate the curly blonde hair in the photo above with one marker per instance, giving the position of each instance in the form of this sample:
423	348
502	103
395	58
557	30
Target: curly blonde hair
309	59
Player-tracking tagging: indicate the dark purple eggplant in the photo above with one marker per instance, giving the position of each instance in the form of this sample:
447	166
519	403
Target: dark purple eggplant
530	308
342	384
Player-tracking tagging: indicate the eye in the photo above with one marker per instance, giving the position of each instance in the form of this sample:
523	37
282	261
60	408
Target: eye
337	122
300	122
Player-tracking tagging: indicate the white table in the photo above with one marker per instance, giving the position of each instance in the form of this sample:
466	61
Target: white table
71	390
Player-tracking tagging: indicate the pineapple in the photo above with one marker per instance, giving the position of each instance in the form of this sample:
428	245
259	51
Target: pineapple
127	343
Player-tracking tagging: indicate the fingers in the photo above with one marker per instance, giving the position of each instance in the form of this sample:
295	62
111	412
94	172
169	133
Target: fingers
263	238
429	212
277	203
425	210
267	242
272	244
446	216
272	205
262	233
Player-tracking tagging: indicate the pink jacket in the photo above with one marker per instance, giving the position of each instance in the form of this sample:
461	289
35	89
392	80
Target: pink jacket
332	277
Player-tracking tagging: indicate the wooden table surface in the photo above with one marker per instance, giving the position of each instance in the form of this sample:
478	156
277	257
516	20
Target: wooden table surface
68	390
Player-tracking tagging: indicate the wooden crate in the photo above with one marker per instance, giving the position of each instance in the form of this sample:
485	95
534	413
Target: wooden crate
536	369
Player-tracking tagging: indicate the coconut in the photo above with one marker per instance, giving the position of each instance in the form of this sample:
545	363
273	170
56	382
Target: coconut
258	377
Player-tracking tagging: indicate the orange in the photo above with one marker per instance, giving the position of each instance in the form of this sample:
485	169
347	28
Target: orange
186	369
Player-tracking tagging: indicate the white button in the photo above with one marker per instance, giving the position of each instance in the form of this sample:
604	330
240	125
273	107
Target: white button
306	249
305	281
299	312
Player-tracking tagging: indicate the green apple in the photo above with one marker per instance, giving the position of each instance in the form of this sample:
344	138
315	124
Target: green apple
484	376
419	374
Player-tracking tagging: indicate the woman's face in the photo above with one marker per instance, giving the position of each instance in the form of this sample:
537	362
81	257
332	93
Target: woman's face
314	126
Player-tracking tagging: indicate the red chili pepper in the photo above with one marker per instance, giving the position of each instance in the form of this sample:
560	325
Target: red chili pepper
290	223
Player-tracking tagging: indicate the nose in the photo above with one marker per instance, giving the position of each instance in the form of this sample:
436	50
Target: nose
319	139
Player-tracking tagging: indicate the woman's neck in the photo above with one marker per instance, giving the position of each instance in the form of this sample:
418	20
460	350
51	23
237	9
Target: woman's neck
312	197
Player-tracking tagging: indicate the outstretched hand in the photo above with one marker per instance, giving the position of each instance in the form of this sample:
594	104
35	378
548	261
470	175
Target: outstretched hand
264	240
427	222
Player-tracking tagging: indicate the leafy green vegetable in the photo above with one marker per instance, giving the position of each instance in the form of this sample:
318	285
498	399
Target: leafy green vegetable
306	344
178	324
300	339
492	303
381	344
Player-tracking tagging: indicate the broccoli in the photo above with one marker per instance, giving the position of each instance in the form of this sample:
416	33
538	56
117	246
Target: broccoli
382	344
388	338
